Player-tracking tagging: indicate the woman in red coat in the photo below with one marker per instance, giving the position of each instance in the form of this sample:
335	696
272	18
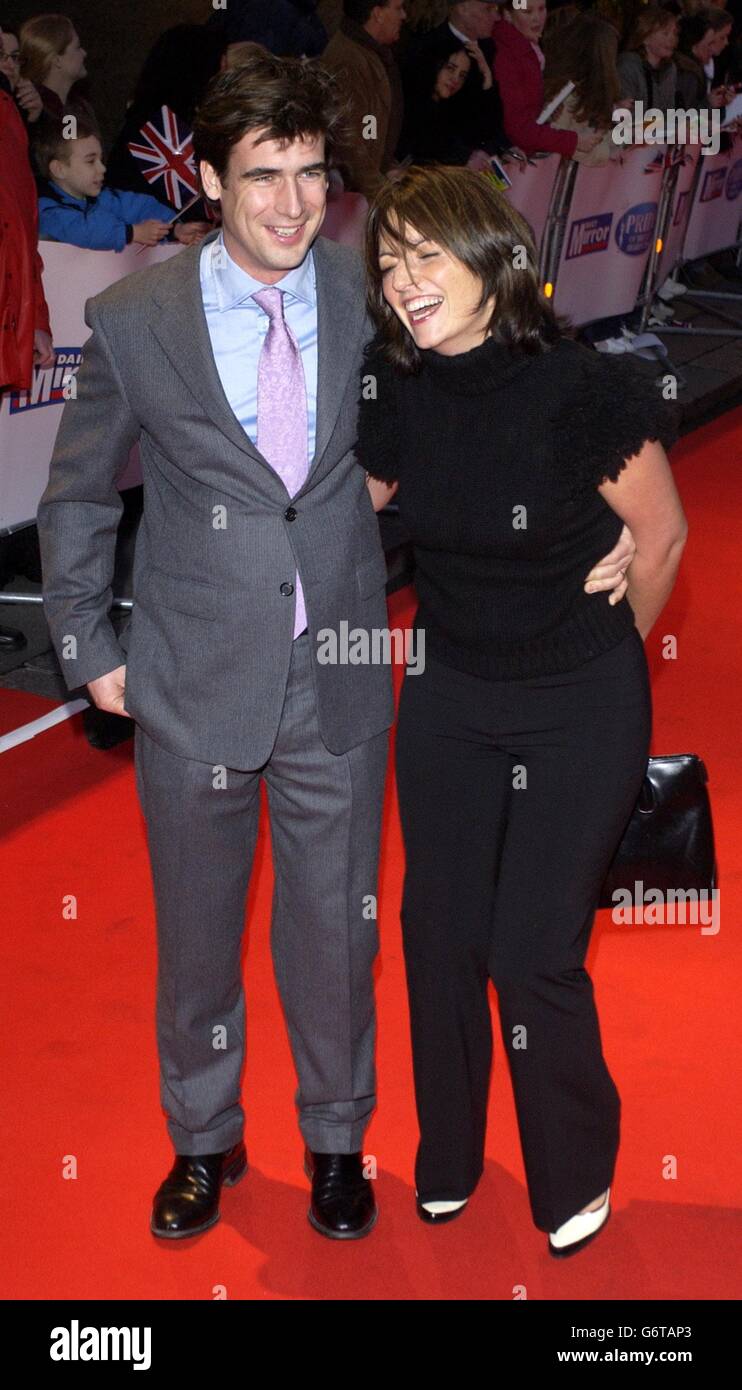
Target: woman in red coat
518	69
25	335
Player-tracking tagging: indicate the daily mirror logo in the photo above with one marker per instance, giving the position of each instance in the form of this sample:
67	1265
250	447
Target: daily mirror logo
48	386
76	1343
589	234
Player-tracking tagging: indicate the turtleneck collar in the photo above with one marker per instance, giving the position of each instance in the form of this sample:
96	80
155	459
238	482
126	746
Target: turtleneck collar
484	368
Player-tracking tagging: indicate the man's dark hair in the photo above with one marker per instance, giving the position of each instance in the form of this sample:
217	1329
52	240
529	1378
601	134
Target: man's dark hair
49	142
288	98
360	10
693	28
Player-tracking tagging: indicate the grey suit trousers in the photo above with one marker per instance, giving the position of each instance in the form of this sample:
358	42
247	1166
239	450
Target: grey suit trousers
325	818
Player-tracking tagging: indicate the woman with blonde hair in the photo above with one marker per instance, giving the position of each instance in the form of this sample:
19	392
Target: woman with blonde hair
521	747
52	58
645	67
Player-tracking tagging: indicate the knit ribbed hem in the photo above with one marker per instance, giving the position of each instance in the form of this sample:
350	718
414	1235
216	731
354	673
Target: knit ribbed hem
589	633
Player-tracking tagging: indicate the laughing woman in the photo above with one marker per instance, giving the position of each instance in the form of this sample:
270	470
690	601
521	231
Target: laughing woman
521	747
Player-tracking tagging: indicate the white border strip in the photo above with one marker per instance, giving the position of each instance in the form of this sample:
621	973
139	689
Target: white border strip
38	726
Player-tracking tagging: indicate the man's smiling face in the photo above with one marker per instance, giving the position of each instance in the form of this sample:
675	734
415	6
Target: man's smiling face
273	201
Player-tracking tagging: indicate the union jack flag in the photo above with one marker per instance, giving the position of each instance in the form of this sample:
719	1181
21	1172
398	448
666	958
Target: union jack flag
166	152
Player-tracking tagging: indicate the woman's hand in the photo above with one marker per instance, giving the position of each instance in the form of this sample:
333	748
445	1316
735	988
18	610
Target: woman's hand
610	572
588	140
28	99
43	350
475	52
381	493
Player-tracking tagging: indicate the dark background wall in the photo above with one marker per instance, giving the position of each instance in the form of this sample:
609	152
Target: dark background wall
117	35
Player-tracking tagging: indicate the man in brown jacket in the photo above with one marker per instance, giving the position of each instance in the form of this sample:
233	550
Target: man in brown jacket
360	56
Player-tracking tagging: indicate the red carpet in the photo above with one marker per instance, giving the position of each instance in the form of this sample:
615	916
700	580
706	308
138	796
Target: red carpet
84	1138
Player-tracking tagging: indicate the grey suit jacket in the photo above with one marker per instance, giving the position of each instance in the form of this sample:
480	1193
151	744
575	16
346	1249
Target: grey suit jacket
208	646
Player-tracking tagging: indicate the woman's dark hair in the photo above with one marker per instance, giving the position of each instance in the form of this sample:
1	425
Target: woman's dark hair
423	75
177	70
288	98
439	61
466	215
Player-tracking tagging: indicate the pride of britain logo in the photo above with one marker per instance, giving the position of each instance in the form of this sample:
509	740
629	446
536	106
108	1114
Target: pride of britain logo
50	385
634	230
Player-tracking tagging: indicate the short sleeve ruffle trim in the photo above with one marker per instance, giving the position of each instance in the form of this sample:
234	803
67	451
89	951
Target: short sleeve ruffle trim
378	431
617	408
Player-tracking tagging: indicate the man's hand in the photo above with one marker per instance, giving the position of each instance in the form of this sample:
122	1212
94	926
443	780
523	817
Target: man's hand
610	572
107	692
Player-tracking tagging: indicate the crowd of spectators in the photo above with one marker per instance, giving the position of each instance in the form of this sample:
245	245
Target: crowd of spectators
424	81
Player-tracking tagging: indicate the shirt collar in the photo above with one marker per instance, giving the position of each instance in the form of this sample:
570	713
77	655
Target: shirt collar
457	33
234	286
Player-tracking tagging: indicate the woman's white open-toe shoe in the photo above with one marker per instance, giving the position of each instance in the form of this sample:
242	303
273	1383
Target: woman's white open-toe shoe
437	1212
579	1230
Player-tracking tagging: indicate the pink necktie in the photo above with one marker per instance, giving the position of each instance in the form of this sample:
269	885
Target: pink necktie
282	410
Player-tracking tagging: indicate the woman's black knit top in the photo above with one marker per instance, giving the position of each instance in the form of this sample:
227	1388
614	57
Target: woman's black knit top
499	455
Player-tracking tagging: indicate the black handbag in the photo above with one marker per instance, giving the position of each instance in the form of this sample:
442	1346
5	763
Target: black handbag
669	840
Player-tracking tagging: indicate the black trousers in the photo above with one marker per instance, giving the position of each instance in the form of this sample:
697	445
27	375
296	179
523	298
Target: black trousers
513	797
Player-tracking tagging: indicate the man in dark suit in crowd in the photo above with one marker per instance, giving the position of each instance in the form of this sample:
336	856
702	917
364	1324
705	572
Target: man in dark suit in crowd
289	28
478	124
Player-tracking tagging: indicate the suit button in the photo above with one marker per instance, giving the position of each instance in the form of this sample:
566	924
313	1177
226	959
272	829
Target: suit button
287	590
291	514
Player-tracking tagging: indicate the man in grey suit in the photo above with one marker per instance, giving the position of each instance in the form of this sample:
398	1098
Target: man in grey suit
254	338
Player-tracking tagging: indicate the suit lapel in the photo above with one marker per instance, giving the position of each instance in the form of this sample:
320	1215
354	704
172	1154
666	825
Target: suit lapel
341	316
183	332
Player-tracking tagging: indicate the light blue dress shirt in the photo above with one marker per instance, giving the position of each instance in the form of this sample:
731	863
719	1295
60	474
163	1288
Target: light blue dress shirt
237	328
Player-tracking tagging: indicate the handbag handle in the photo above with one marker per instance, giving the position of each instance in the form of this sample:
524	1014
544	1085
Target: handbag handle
646	803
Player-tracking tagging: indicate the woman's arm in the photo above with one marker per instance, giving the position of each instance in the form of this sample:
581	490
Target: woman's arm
645	497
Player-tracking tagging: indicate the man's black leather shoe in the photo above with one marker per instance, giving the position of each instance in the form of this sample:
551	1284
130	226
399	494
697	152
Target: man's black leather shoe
343	1204
12	639
187	1202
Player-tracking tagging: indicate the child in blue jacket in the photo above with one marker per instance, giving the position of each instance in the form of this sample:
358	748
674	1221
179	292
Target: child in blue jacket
75	207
